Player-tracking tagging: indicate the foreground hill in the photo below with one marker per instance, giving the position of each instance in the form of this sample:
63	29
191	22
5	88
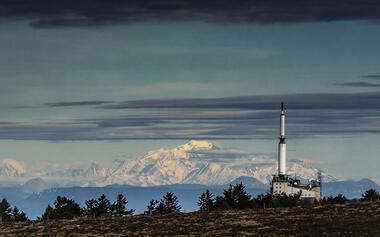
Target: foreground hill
352	219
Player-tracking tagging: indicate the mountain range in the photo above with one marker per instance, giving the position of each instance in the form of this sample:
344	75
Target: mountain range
187	170
195	162
201	162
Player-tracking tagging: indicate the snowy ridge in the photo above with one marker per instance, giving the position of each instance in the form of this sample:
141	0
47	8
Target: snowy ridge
12	168
200	162
195	162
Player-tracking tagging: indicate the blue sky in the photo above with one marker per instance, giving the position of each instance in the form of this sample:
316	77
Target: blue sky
90	93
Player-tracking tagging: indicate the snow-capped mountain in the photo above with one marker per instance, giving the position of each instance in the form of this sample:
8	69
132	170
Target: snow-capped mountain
12	168
95	170
200	162
18	173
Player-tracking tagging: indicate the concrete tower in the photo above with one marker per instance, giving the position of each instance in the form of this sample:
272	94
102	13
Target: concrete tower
282	144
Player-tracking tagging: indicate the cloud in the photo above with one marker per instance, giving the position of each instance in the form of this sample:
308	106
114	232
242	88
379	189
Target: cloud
251	117
358	84
77	103
47	13
373	76
262	102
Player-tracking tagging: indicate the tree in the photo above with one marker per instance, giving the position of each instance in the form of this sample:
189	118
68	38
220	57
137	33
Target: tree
371	195
119	207
64	208
168	204
48	214
90	209
262	201
237	197
284	200
340	199
103	207
221	204
152	207
206	201
5	210
18	215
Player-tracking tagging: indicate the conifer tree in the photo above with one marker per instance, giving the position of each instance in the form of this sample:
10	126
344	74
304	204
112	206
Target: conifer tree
206	201
152	207
18	215
119	207
48	214
103	206
236	196
5	210
90	209
371	195
64	208
168	204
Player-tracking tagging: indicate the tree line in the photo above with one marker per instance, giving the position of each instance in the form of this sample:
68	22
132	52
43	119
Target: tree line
235	197
11	214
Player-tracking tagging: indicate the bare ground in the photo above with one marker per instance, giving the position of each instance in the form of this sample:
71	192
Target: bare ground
352	219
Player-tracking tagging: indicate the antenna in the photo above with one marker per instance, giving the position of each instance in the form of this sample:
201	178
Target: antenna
320	182
282	105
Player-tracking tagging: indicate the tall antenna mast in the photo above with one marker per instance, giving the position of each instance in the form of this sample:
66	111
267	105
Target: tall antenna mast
282	144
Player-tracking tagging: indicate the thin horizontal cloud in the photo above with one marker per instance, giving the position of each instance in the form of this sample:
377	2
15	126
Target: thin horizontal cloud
78	103
45	13
358	84
373	76
252	117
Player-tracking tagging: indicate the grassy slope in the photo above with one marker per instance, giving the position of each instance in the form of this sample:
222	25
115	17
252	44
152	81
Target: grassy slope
353	219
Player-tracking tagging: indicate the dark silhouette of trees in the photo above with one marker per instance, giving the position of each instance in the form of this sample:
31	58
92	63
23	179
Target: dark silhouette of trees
18	215
152	207
340	199
103	207
280	200
5	210
284	200
119	207
90	209
235	197
64	208
371	195
48	214
262	201
168	204
9	214
221	204
206	201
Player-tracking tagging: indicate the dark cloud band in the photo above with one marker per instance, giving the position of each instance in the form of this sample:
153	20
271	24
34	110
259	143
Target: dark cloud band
358	84
373	76
42	13
263	102
254	117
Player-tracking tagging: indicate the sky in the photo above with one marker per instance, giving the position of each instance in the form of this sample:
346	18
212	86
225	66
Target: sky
104	80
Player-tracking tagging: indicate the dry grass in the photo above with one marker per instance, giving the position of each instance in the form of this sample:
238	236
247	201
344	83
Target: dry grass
353	219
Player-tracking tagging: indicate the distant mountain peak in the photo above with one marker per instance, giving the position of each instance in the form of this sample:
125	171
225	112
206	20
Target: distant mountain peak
12	168
95	170
194	145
